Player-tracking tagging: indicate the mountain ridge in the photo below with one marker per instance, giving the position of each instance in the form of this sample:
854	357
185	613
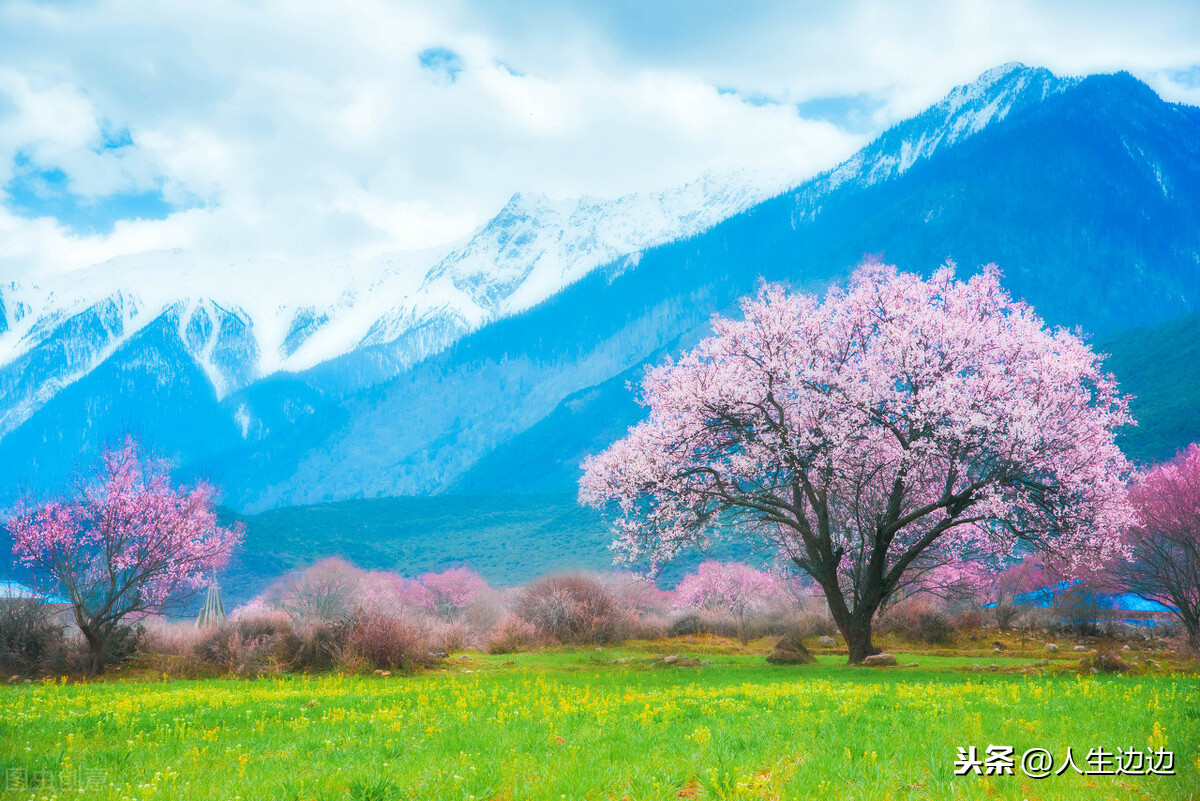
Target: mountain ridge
1042	174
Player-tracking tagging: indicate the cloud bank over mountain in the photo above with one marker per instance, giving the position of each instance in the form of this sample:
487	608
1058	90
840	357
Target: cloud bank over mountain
307	132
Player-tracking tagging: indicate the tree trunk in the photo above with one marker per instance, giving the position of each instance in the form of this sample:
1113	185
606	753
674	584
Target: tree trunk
1192	625
857	632
96	648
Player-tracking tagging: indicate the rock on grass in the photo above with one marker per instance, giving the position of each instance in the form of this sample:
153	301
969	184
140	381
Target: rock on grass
790	650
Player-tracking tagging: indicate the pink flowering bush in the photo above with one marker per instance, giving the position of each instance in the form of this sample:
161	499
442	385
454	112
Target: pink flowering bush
128	543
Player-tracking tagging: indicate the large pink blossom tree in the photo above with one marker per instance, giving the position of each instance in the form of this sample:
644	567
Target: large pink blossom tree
126	545
732	587
899	425
1166	539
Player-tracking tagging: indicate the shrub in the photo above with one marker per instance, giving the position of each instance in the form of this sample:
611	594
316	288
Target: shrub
170	639
570	609
933	628
1006	614
807	624
31	639
969	619
645	627
320	647
721	624
918	621
512	635
643	610
448	594
124	641
454	636
1104	662
687	625
387	642
251	646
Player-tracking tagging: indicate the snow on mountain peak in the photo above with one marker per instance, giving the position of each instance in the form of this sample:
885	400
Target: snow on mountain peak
964	111
242	321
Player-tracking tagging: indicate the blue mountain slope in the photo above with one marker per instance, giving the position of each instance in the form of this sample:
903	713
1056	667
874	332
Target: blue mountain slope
158	394
1160	367
1082	197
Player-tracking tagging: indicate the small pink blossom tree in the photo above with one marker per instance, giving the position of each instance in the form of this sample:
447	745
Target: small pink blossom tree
1025	576
128	544
728	586
901	424
449	593
1166	539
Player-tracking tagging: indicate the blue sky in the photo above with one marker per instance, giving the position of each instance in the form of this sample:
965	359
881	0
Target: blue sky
317	130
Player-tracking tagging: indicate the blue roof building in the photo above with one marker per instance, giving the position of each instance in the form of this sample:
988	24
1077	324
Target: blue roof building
1127	607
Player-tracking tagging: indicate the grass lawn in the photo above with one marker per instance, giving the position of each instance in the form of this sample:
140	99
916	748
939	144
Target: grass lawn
572	724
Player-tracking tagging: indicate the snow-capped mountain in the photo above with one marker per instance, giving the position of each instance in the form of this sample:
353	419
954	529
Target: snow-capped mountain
495	364
242	322
964	112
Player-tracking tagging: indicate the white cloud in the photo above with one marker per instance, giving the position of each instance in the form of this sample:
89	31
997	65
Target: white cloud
306	129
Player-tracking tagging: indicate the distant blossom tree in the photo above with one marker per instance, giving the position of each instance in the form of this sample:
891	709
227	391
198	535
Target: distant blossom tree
729	586
126	545
1166	539
449	593
901	424
1025	576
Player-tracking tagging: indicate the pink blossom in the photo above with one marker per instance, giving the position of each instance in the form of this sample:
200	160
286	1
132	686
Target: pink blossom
729	586
450	592
1165	541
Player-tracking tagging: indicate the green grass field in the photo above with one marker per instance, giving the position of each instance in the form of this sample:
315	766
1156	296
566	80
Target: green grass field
573	724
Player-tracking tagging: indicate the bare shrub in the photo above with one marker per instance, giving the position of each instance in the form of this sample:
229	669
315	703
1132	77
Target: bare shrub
31	638
387	642
326	592
807	624
969	619
452	636
719	624
571	608
688	624
170	638
643	610
512	635
918	621
1104	662
253	646
646	627
1007	614
320	646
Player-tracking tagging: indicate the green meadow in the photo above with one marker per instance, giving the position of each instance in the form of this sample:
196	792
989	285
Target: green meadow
616	723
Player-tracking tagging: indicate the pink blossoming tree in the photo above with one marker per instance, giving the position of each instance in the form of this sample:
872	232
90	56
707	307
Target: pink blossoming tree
1166	539
128	544
901	424
1003	588
449	593
728	586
